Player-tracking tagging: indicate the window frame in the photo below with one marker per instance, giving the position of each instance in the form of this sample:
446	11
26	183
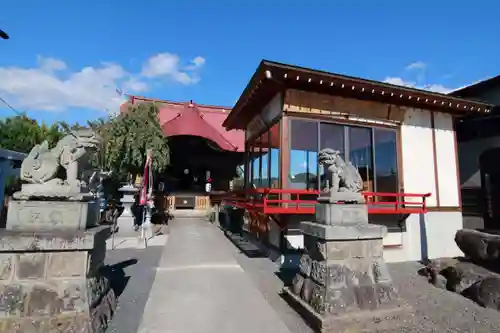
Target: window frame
347	125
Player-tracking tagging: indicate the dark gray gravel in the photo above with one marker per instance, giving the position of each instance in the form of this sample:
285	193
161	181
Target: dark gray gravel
432	309
135	281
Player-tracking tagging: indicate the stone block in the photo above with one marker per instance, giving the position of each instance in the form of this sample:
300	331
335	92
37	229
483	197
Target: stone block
333	214
366	297
52	240
13	299
337	276
45	287
380	271
319	272
48	299
6	266
315	247
48	215
305	264
343	232
349	281
25	325
78	322
297	283
67	264
31	266
386	293
307	289
96	287
340	301
317	300
342	198
359	272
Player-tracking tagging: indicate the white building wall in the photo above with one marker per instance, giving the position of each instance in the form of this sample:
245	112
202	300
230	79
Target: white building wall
446	160
418	157
429	235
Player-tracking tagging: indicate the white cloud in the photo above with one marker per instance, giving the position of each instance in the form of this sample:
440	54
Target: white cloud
52	86
50	64
399	82
431	87
420	68
135	84
168	65
417	65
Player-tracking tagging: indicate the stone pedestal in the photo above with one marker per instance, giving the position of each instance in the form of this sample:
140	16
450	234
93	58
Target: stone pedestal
51	281
53	214
61	208
343	283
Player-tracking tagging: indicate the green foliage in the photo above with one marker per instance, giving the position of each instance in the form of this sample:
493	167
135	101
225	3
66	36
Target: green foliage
12	184
21	133
127	138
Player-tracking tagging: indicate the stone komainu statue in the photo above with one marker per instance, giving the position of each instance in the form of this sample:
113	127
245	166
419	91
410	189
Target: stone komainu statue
344	176
43	165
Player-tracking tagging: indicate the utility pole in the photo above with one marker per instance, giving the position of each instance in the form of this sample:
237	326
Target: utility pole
3	34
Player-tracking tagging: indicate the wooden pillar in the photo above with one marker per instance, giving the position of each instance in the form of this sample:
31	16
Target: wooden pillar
284	162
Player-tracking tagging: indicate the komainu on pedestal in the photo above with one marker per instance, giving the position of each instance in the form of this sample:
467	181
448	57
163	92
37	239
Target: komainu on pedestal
53	196
52	253
343	282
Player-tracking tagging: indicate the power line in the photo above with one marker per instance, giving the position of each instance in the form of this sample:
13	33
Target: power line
10	106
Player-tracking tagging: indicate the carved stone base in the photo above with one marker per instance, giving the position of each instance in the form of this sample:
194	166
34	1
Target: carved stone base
50	215
54	192
343	275
341	197
52	282
341	213
363	321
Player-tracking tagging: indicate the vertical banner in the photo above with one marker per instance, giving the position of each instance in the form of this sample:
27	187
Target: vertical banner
147	181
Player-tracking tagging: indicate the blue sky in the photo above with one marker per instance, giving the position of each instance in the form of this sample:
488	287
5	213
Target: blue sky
66	58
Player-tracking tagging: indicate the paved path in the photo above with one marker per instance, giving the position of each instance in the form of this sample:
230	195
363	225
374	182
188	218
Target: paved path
200	288
133	284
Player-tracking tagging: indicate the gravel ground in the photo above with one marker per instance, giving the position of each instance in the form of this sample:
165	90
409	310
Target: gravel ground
135	273
432	309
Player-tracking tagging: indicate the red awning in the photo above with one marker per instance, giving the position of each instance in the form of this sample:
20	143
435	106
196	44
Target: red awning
189	121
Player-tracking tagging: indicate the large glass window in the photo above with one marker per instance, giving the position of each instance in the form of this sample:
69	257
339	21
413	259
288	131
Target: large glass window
360	154
303	154
255	164
386	165
371	150
274	163
331	136
264	160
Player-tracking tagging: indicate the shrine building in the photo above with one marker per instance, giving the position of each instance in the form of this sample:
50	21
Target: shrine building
402	141
201	151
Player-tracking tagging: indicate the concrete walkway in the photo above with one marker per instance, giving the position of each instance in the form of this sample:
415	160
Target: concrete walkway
200	288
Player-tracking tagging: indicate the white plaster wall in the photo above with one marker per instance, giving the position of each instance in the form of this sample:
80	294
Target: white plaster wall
417	151
446	160
429	235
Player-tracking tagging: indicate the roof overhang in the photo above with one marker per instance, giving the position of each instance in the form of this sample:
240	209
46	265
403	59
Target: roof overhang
476	87
271	78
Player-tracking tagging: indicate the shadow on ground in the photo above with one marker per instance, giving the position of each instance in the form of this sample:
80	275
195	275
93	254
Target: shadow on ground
116	275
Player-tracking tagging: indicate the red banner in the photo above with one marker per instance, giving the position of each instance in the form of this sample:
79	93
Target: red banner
147	180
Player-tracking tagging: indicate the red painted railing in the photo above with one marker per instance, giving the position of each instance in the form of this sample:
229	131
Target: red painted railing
292	201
